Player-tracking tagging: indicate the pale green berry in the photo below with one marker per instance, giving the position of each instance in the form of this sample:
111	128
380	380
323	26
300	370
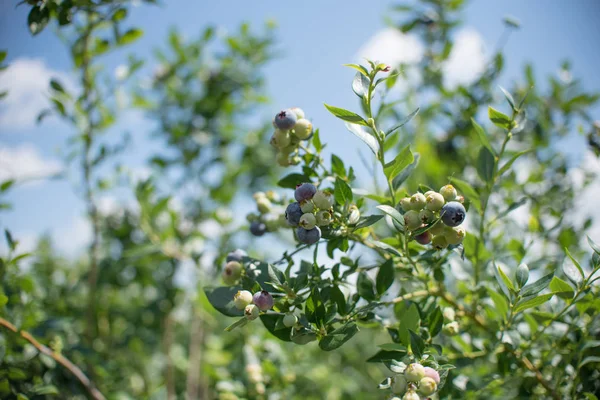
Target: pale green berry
426	216
410	395
259	195
308	221
455	235
289	320
451	329
272	222
427	386
448	192
298	111
231	272
427	193
307	206
439	242
406	204
435	201
264	205
283	159
282	138
288	149
399	385
273	196
438	229
303	129
251	312
324	218
449	314
417	201
323	200
414	372
241	299
412	220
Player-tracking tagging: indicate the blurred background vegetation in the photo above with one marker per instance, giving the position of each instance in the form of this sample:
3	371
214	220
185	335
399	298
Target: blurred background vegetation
130	312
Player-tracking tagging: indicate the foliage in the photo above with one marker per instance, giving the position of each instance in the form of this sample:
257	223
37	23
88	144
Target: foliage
508	311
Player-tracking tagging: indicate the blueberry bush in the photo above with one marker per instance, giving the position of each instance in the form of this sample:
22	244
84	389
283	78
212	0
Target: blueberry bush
457	271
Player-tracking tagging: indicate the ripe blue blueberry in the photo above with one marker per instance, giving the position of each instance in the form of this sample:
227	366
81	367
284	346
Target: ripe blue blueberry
285	119
293	213
310	236
263	300
305	191
453	213
236	255
258	228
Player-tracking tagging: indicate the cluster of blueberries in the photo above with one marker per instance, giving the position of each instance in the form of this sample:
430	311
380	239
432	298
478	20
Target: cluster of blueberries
267	219
423	209
311	210
416	380
290	128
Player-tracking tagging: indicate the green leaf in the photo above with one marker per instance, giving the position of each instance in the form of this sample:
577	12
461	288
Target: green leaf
537	301
54	84
510	162
337	296
593	245
363	135
9	240
572	275
364	286
119	15
485	165
239	323
130	36
357	67
402	160
467	190
270	322
360	85
3	299
499	119
2	55
482	136
509	98
436	322
402	176
409	319
386	355
392	212
386	247
38	19
402	123
500	302
537	286
504	281
346	115
8	183
561	288
221	298
342	193
417	345
385	276
316	141
367	220
588	360
292	180
315	309
338	337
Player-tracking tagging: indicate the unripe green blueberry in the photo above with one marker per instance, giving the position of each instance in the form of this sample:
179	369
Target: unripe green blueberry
406	204
449	314
303	129
435	202
308	221
417	201
324	218
451	329
232	272
281	139
399	385
426	216
354	215
273	196
283	159
241	299
298	111
411	395
449	192
439	242
289	320
427	386
264	205
437	229
289	149
414	372
271	222
307	206
412	220
259	195
454	235
323	200
433	374
427	193
251	312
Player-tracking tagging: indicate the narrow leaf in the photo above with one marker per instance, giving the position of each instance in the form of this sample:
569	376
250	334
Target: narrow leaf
482	136
537	301
402	123
467	190
342	193
392	212
498	118
346	115
363	135
417	345
537	286
510	162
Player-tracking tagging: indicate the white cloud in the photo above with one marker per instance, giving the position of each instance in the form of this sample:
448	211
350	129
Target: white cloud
467	59
26	81
25	162
73	237
392	47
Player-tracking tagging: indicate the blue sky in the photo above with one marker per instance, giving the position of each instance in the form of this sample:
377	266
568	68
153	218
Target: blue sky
315	39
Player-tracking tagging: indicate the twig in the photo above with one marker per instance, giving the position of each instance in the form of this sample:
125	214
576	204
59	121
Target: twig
59	358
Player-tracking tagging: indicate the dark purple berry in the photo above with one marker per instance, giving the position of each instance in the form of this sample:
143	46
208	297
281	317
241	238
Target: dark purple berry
293	212
305	191
257	228
263	300
285	119
453	213
309	236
